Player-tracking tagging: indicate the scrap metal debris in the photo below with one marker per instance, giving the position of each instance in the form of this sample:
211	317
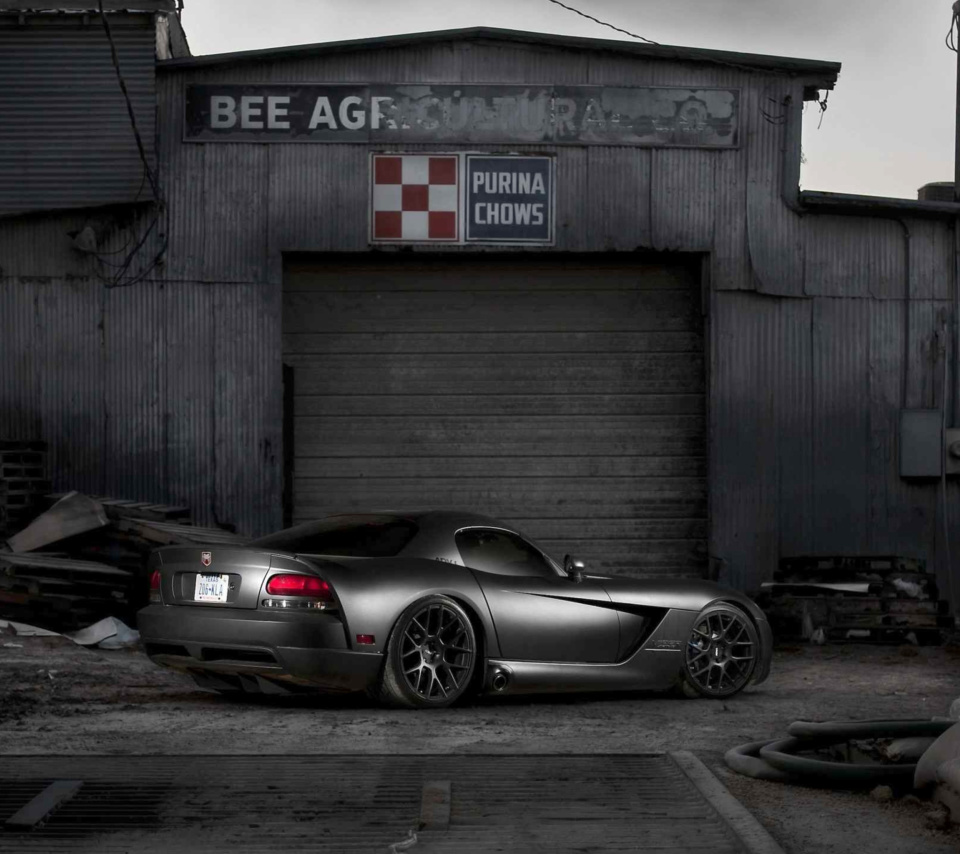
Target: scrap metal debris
69	559
868	598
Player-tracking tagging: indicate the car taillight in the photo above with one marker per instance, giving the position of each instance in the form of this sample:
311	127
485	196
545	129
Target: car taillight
300	585
155	586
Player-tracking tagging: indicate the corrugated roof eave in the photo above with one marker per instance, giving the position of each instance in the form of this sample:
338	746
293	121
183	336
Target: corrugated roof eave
826	72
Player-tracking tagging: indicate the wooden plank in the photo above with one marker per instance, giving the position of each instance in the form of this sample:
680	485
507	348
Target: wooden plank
489	466
72	514
58	563
37	810
338	343
594	405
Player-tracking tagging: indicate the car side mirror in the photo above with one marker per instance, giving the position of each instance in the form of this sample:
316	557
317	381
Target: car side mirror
573	568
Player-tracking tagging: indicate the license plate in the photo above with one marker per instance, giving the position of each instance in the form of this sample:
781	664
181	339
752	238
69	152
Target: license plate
211	588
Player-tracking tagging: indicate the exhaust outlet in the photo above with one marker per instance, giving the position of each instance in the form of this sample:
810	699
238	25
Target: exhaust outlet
499	680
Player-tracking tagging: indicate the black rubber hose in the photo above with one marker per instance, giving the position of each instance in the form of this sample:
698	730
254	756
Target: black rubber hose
781	755
746	760
834	731
777	760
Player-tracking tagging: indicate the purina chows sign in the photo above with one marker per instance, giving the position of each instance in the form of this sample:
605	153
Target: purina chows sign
495	114
462	198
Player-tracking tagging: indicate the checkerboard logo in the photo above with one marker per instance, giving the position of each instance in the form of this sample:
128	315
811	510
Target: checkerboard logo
415	197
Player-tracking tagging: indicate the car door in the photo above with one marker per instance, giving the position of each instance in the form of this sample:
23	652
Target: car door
539	613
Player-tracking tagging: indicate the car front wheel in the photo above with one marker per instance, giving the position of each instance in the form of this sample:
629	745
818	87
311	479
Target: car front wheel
721	652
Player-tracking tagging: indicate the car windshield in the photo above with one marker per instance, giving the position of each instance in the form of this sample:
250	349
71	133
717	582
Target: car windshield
344	536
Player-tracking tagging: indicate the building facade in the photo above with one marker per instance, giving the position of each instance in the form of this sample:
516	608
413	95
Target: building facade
692	368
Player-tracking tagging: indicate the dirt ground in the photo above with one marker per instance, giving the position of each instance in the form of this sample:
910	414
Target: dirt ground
60	699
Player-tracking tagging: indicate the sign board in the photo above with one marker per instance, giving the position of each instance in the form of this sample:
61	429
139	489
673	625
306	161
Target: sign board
462	198
653	116
509	199
415	198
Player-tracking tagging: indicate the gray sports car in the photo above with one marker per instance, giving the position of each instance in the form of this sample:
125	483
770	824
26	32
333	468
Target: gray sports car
421	609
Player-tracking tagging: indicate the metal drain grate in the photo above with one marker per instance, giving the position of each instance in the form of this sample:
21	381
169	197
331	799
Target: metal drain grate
364	803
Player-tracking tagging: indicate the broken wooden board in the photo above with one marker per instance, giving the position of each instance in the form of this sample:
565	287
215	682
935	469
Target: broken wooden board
73	514
44	561
171	534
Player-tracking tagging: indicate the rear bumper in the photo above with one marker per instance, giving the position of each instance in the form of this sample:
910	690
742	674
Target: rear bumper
254	649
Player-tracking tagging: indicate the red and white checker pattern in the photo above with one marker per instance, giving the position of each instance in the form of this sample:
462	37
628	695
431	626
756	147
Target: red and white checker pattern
415	197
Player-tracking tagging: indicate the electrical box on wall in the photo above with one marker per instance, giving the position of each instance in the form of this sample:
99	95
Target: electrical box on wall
921	443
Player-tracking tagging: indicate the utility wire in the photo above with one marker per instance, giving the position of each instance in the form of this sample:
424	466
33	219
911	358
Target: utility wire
602	23
148	172
951	39
126	96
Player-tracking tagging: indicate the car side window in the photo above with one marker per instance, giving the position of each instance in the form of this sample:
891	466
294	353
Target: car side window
501	553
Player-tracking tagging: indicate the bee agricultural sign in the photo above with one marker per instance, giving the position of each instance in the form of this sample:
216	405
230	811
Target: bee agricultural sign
459	114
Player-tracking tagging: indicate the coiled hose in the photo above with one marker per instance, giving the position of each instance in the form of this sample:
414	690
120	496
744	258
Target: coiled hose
778	761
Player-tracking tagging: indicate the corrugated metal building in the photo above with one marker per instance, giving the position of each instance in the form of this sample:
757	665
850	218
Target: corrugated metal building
704	370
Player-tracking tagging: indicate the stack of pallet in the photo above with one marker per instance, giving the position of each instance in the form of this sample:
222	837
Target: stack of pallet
23	482
883	599
85	558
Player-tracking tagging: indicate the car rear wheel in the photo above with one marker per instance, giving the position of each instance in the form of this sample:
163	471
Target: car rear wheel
721	652
431	656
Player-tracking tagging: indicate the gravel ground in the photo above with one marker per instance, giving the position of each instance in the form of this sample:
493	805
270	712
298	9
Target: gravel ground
60	699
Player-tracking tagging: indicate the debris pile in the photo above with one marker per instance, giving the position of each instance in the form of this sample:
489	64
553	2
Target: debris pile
84	559
875	599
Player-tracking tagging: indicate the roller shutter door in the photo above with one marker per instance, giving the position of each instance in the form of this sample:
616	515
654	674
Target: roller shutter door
565	396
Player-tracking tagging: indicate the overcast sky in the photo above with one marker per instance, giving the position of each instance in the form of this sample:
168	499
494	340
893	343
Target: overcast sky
889	127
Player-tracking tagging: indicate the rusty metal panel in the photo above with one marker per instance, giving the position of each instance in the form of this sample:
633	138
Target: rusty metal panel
618	214
841	349
682	199
325	206
491	61
41	246
744	437
849	256
69	351
730	259
774	232
133	401
189	383
20	367
182	173
66	139
234	212
928	326
246	400
931	258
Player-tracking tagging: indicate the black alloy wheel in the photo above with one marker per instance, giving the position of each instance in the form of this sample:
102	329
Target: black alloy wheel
431	656
721	652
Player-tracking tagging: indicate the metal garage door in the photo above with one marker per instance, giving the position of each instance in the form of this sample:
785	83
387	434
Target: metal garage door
564	395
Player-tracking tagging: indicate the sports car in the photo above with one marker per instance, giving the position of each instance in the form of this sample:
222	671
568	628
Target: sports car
422	609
